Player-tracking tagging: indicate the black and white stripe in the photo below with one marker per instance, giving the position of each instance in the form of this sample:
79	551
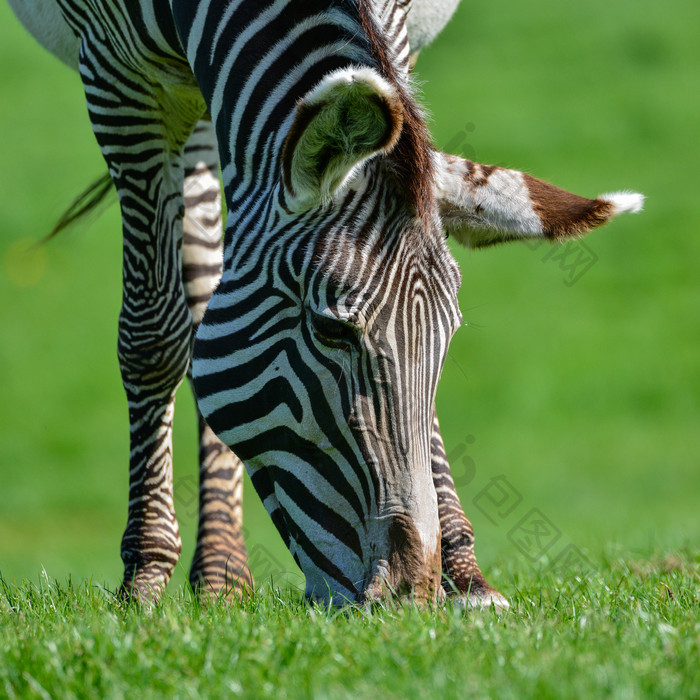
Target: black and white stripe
318	357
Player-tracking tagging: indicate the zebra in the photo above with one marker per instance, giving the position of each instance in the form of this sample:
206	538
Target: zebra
317	354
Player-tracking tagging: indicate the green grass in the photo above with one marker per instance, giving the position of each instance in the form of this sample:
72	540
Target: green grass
629	631
585	397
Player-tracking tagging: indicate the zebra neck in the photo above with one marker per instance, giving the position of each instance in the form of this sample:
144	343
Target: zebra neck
254	61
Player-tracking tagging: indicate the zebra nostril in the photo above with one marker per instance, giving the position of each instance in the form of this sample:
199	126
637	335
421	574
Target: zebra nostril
377	585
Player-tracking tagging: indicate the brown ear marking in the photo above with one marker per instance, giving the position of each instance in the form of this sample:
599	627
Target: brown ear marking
478	174
564	214
394	117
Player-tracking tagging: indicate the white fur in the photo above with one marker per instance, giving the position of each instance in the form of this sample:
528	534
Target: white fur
483	602
624	202
348	76
44	21
425	20
506	205
476	214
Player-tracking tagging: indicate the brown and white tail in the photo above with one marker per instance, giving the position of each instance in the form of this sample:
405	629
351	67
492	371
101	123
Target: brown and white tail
483	204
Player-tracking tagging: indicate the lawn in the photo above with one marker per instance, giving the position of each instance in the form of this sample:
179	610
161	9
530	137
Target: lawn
629	631
575	386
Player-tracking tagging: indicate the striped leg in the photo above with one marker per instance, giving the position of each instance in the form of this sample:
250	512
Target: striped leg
142	144
458	558
220	561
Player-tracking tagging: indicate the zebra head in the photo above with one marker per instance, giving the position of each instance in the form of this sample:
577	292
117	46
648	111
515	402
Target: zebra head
318	358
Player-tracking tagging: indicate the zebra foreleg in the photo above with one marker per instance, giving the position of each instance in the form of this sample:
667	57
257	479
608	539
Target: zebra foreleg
154	345
461	572
141	131
220	565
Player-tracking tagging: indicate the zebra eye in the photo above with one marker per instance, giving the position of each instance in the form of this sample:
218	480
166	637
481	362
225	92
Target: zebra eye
334	332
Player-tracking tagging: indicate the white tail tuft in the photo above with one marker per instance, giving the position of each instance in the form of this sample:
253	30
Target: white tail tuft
624	202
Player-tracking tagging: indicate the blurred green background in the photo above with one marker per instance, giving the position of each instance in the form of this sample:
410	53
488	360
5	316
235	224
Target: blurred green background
576	380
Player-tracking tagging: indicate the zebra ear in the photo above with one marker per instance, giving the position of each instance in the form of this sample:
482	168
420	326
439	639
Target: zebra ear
350	116
482	204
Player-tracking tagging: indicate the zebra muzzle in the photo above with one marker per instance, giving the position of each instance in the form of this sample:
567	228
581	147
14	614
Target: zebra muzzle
409	573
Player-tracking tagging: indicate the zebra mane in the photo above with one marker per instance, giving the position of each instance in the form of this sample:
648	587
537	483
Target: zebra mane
410	159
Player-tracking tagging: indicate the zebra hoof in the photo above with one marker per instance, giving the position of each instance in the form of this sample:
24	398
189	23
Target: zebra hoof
482	600
473	593
223	581
141	592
